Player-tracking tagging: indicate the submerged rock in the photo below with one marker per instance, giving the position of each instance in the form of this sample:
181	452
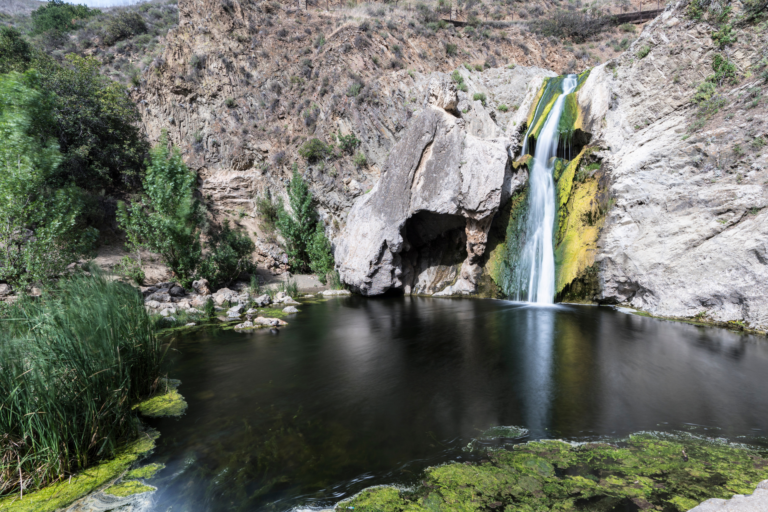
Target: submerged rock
647	472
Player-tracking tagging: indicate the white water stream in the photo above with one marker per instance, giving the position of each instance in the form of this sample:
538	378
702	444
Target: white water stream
537	260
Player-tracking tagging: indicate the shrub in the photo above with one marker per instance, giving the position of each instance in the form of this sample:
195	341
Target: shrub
348	143
59	16
131	270
319	41
74	364
124	26
643	52
165	219
268	211
39	232
298	227
320	254
479	67
229	102
360	160
451	49
16	54
354	89
229	256
503	108
725	70
479	96
628	27
314	150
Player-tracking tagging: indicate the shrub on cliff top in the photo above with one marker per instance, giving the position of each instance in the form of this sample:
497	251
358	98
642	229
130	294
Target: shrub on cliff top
59	16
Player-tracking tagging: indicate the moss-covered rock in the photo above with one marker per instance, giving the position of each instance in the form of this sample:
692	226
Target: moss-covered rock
129	488
144	472
167	402
63	493
646	471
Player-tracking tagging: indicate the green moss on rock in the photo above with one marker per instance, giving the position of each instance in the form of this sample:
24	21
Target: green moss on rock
129	488
646	471
61	494
144	472
168	401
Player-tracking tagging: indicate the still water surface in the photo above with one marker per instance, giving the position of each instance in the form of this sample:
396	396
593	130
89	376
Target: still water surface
360	392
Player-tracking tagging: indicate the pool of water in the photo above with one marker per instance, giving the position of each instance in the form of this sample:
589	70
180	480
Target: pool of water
357	392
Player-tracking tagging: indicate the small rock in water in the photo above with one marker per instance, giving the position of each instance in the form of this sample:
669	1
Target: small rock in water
262	300
290	309
190	324
237	310
244	325
332	293
274	331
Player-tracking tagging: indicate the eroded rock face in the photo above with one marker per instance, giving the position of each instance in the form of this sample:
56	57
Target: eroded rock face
688	233
432	207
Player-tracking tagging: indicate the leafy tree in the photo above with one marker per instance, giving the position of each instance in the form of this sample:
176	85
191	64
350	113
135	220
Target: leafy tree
59	16
96	124
229	256
16	54
320	254
165	220
306	243
348	143
39	232
298	229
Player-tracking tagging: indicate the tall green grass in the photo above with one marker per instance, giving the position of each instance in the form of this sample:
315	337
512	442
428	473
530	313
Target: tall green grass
72	363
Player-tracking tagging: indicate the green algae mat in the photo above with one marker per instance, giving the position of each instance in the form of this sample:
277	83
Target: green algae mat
646	472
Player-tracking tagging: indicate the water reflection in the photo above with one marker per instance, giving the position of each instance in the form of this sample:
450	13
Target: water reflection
357	392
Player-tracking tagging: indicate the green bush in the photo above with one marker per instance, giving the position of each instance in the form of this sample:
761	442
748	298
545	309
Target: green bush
315	149
165	220
74	363
229	102
479	96
360	159
229	256
306	244
725	70
451	49
16	54
60	16
503	108
124	26
348	143
268	211
354	89
643	52
130	269
39	232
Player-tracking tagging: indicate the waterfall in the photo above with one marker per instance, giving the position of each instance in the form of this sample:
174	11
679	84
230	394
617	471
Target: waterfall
535	275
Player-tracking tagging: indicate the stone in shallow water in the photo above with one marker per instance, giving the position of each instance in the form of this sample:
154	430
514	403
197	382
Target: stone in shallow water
334	293
290	309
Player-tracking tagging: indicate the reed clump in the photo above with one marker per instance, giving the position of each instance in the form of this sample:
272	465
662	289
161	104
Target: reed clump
72	364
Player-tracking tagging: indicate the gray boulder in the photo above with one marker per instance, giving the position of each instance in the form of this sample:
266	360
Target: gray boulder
262	300
177	291
5	289
290	309
438	192
201	286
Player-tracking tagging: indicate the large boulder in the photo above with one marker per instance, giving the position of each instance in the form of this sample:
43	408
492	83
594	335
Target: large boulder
438	192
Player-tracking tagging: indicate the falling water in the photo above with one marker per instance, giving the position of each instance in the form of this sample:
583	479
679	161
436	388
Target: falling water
536	272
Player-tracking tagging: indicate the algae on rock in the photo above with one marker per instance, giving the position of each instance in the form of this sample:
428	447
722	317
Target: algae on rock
647	471
167	403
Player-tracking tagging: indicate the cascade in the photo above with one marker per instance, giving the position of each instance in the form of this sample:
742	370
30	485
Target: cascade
535	275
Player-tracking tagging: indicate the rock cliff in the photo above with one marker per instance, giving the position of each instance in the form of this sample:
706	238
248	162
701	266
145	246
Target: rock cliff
661	197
